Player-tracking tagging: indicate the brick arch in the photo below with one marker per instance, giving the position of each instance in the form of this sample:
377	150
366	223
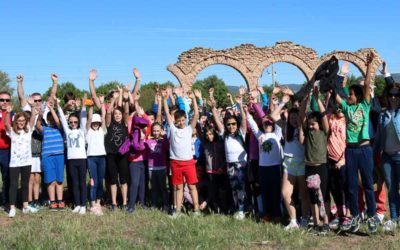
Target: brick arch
190	76
291	59
250	61
358	59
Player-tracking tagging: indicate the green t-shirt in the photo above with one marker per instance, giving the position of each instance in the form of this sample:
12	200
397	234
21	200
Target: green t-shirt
357	120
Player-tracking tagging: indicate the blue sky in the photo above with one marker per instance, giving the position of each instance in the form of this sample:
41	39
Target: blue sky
71	37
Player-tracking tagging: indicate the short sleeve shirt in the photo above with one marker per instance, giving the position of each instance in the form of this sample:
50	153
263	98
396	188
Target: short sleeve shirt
21	152
357	121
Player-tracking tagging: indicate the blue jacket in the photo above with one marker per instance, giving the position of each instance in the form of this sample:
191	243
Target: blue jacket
384	120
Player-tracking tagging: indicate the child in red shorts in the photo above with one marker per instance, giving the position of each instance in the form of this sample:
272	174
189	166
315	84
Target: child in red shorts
182	163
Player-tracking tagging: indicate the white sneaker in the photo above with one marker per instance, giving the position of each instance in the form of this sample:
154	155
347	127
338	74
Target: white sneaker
11	213
389	226
29	209
82	210
239	215
292	225
380	217
77	209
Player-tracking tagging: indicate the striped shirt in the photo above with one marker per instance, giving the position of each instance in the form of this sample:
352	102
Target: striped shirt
53	142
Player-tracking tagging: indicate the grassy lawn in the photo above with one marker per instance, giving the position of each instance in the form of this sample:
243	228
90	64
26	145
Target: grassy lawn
149	229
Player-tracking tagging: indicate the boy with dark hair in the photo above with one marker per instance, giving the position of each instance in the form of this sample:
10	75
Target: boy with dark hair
182	163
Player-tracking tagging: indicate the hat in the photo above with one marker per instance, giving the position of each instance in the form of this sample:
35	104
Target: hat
96	118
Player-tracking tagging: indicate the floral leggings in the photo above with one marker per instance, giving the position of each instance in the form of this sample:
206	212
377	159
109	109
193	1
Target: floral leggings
237	179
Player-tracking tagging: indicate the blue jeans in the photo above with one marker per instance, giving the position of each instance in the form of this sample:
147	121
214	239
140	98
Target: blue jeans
97	170
391	168
136	187
360	159
5	169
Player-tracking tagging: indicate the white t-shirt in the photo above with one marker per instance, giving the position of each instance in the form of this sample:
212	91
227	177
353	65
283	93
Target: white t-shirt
269	146
294	149
180	143
234	148
95	141
21	149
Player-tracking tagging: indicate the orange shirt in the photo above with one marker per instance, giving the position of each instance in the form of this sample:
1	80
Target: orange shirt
337	137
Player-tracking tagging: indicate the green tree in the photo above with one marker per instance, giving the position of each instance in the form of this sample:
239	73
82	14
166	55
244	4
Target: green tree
5	83
64	88
147	92
220	89
105	88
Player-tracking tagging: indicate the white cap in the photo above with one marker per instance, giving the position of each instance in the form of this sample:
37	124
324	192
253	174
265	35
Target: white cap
96	118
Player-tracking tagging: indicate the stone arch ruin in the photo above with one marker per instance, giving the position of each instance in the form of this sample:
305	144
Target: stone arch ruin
250	61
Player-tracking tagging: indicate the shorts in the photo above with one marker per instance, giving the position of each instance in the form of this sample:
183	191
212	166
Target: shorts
182	169
293	167
53	168
36	165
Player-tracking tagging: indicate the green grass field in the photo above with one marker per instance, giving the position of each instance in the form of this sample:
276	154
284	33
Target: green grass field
150	229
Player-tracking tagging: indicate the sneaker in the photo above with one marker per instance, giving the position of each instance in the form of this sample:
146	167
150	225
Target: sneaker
303	222
176	215
196	214
29	209
380	217
36	204
345	225
130	210
61	205
53	206
324	230
96	210
11	213
389	226
355	224
76	209
82	210
113	208
334	224
239	215
124	207
314	230
292	225
373	224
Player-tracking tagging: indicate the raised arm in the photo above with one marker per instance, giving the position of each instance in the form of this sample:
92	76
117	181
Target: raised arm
321	107
368	77
195	117
253	125
303	107
166	108
230	99
64	122
126	114
53	91
136	87
89	118
109	112
53	112
20	90
243	123
83	114
92	78
32	119
38	125
159	107
7	119
276	113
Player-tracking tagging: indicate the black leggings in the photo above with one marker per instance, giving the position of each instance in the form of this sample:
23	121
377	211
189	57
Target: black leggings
77	170
117	166
14	178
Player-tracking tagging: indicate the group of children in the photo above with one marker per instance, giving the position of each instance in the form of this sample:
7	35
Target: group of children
265	158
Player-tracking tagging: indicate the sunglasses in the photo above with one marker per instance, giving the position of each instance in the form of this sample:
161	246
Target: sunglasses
5	100
38	100
73	122
231	124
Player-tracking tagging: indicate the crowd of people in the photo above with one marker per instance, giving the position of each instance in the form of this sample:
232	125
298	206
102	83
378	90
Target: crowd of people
311	163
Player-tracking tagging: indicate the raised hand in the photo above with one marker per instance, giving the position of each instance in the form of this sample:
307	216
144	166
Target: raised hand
54	77
190	94
197	93
345	68
139	111
20	78
287	91
242	91
276	90
370	57
78	102
316	93
238	99
136	73
229	95
211	92
212	103
92	75
285	99
30	101
260	89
